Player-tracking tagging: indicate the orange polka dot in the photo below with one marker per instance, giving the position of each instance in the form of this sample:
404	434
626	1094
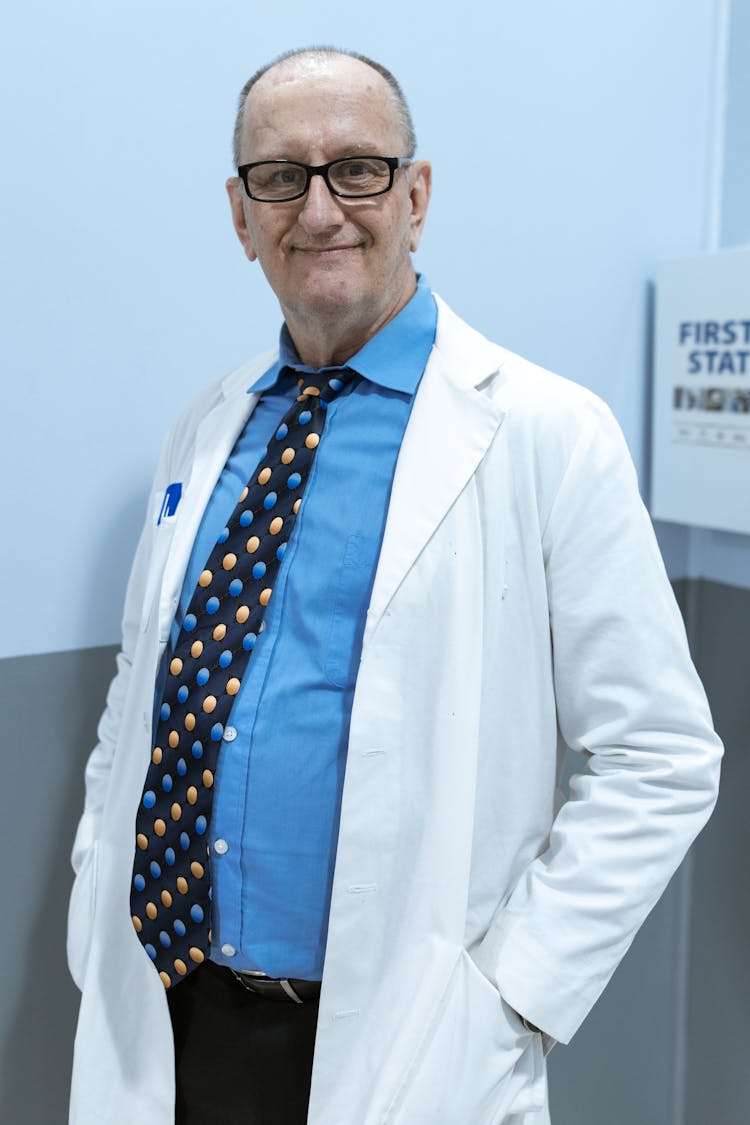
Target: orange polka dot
165	979
137	923
166	898
296	504
242	614
208	779
141	841
312	440
205	578
160	827
176	666
287	456
190	721
197	955
174	739
229	562
315	391
157	755
176	811
197	869
252	544
233	686
209	704
264	475
192	795
243	496
151	910
182	885
276	525
219	632
265	596
196	649
180	966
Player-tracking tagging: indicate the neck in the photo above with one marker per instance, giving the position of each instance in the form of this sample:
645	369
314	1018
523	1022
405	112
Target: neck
330	340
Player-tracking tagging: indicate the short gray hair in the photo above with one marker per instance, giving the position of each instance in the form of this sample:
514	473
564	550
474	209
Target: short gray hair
402	108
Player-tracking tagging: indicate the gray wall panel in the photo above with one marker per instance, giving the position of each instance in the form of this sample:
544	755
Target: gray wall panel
719	998
49	706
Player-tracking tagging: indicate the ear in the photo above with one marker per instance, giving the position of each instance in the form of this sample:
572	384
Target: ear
237	202
420	187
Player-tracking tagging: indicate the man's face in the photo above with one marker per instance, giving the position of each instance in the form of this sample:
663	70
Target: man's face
330	260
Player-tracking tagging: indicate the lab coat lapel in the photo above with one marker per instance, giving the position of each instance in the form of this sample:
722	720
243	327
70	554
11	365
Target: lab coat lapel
452	423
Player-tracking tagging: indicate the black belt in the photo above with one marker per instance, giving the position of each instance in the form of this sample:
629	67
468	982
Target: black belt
278	988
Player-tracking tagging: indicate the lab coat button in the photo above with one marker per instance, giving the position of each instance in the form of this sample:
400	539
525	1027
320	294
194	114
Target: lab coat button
228	950
221	847
230	733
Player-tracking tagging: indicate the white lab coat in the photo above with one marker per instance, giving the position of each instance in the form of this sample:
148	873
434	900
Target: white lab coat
519	605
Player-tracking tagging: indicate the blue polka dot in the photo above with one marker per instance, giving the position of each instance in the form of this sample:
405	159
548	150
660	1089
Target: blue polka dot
305	417
182	693
294	480
202	676
179	928
259	570
181	767
235	587
280	551
224	536
149	799
282	431
225	659
165	939
217	732
212	605
169	857
246	518
184	841
269	501
166	783
139	883
154	869
190	622
166	711
323	404
201	824
248	641
196	913
150	950
335	384
197	749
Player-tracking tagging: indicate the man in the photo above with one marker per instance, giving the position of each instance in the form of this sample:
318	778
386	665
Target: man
340	761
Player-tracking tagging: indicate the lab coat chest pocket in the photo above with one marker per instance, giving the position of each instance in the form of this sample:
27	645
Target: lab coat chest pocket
477	1063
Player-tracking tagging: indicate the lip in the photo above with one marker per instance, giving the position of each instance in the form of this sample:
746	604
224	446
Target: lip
328	249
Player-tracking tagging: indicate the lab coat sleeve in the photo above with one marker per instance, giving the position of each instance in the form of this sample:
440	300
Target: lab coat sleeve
630	703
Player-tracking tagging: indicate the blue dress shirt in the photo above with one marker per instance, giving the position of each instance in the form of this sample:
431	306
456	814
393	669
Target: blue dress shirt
277	796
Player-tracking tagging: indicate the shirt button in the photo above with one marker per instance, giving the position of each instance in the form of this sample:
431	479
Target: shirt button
230	733
221	847
228	950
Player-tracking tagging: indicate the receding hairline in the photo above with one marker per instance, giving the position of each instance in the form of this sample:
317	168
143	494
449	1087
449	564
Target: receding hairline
320	54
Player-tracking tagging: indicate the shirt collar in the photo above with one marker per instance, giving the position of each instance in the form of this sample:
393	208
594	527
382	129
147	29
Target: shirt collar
394	358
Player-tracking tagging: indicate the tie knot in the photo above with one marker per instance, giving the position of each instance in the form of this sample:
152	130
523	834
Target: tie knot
325	383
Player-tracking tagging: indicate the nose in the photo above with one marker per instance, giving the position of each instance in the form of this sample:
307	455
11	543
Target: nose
321	210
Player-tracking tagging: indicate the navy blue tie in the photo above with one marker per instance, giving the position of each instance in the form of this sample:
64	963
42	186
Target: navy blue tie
171	889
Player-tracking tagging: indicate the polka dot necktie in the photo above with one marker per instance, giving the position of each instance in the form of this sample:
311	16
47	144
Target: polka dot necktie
171	889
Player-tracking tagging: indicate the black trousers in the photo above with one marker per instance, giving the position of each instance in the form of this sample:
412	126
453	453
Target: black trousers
240	1059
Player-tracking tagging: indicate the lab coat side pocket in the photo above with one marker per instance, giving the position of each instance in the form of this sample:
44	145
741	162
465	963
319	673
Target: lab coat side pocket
81	915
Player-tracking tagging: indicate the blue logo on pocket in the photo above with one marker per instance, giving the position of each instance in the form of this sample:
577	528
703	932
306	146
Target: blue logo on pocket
172	497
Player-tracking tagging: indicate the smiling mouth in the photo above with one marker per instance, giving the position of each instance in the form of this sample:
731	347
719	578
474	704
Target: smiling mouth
327	249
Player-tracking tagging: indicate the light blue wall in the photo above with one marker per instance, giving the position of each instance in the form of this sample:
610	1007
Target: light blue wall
588	130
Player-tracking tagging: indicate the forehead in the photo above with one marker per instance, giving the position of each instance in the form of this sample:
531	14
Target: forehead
313	109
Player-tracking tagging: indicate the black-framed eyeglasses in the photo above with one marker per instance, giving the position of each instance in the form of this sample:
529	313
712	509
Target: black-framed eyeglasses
352	177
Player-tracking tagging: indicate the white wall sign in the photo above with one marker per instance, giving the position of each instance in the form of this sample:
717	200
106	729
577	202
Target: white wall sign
701	409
